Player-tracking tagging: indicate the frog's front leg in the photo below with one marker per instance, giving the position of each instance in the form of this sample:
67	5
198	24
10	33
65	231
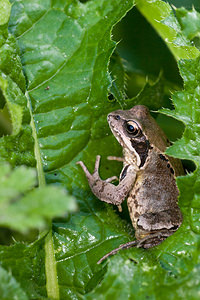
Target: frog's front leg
107	191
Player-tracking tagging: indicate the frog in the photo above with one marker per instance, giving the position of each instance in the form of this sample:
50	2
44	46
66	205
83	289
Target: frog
147	180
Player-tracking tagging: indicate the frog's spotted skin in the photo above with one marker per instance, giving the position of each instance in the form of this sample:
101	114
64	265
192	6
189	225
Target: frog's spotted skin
147	179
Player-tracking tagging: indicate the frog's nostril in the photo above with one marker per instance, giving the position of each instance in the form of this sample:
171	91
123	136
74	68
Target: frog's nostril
117	117
111	116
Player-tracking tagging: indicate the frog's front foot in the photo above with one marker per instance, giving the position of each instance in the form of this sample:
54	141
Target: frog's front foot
91	177
104	189
95	176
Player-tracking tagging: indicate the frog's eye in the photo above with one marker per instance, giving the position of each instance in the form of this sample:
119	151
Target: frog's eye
132	128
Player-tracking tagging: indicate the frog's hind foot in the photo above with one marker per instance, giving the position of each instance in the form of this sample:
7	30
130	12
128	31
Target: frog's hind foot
154	239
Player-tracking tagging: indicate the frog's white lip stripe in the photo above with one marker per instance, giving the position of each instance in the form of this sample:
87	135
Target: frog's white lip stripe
119	139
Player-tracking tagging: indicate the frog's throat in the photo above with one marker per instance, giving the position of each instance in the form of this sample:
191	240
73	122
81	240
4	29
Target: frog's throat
131	158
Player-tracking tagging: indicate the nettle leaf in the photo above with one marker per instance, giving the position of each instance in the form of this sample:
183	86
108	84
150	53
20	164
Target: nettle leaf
10	63
187	110
9	288
161	17
154	95
189	22
23	208
118	80
25	264
19	147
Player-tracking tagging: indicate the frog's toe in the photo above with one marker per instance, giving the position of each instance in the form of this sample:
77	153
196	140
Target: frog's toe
113	178
87	173
96	168
121	159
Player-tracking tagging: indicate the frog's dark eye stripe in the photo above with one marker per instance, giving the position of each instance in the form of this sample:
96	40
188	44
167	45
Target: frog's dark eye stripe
132	128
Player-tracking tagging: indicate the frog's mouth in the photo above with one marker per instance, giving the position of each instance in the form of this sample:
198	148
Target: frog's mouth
117	134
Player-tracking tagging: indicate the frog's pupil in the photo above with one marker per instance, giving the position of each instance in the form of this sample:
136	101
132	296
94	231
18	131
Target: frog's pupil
130	128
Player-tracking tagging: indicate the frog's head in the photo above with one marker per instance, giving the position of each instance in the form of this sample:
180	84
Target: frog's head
136	131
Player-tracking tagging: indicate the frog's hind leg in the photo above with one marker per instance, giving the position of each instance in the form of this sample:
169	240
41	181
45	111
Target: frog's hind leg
123	246
154	239
148	241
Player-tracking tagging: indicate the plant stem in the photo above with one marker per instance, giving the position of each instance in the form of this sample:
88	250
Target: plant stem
40	172
50	265
50	262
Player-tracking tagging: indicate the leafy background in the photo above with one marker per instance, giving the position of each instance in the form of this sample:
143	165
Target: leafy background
63	66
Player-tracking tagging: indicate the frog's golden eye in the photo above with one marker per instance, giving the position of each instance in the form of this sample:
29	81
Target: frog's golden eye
132	128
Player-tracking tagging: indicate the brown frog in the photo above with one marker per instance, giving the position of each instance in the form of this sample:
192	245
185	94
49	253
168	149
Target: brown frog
147	179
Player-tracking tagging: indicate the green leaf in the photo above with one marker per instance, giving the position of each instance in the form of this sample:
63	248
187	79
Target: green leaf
189	21
80	242
8	88
18	148
23	208
28	269
154	95
5	9
64	81
10	63
144	54
124	280
161	17
9	287
118	79
187	110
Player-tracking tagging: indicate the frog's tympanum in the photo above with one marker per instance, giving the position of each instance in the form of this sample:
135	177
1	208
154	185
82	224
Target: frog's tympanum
147	179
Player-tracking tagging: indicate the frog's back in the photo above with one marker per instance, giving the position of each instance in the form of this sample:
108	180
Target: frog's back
155	191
